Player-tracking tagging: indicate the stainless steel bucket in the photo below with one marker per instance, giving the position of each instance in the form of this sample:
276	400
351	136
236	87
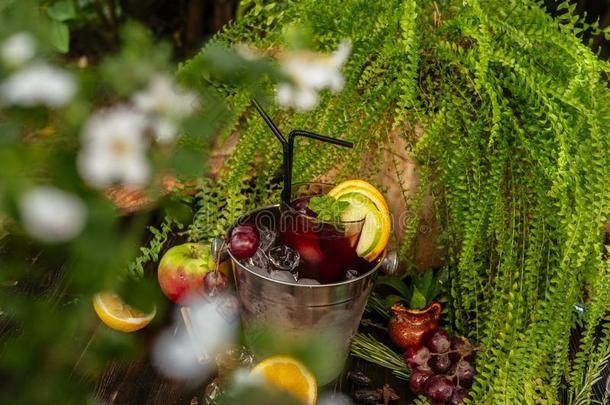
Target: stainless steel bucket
332	311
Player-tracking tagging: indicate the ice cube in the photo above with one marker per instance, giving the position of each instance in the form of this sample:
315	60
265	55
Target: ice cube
284	258
308	281
267	237
258	263
352	274
282	275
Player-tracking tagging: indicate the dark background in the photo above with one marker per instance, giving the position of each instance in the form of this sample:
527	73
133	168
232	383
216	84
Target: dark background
188	23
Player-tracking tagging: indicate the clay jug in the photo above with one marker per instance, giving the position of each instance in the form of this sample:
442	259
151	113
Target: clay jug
408	326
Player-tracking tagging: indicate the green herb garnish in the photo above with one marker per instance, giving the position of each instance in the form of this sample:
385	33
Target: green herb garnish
327	208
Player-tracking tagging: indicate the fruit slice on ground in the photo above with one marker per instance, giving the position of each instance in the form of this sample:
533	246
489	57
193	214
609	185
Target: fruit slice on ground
365	200
290	375
119	316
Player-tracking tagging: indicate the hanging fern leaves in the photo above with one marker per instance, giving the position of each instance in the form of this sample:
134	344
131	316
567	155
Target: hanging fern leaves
515	111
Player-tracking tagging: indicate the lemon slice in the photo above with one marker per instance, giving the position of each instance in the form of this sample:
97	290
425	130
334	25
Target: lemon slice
365	200
290	375
362	185
117	315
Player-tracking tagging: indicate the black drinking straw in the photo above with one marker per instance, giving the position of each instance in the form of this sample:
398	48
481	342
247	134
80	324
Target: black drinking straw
288	147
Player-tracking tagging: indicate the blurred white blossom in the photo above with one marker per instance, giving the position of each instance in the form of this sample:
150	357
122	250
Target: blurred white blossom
114	148
334	398
310	73
243	377
52	215
177	351
167	104
18	49
38	84
247	52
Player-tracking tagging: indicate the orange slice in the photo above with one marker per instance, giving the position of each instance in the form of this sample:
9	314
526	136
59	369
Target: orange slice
290	375
117	315
378	223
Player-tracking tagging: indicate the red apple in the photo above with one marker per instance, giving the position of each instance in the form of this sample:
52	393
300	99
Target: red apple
183	268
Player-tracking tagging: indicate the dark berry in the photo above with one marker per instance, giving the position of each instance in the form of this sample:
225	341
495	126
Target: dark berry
417	357
464	373
367	396
214	283
463	350
459	394
439	389
437	340
244	241
359	378
418	379
440	363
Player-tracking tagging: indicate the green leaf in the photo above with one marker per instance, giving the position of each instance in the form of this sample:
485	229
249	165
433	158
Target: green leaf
426	284
60	36
396	283
392	299
62	11
418	300
327	208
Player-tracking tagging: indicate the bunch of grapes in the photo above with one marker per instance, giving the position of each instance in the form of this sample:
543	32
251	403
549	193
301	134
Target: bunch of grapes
441	367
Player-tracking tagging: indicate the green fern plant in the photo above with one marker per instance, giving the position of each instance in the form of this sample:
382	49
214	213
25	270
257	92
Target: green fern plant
515	111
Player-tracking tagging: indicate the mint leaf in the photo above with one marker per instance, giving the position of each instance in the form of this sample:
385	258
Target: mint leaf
418	301
327	208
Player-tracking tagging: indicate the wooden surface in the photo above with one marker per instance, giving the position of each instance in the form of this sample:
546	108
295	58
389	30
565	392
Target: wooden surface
137	382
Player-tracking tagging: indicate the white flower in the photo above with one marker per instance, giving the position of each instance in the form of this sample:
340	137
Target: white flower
114	148
18	49
334	398
167	104
163	97
39	84
179	354
52	215
311	73
247	52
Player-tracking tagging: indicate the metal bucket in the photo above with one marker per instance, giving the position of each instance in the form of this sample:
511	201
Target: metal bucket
332	311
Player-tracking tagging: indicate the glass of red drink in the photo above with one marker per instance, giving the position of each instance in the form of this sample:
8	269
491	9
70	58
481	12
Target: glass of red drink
327	249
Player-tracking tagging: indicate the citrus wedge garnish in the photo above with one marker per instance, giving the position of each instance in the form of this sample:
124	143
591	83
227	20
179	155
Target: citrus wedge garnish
368	203
117	315
362	185
290	375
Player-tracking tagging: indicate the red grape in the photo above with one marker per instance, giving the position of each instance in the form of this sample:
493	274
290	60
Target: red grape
215	282
418	379
463	350
244	241
439	389
437	340
464	373
458	396
417	357
440	362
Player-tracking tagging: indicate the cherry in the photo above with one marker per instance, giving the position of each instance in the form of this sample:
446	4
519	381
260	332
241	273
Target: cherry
418	379
440	362
437	340
439	389
244	241
214	283
417	357
464	373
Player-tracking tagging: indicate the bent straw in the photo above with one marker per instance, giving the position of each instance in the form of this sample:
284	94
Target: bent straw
288	147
